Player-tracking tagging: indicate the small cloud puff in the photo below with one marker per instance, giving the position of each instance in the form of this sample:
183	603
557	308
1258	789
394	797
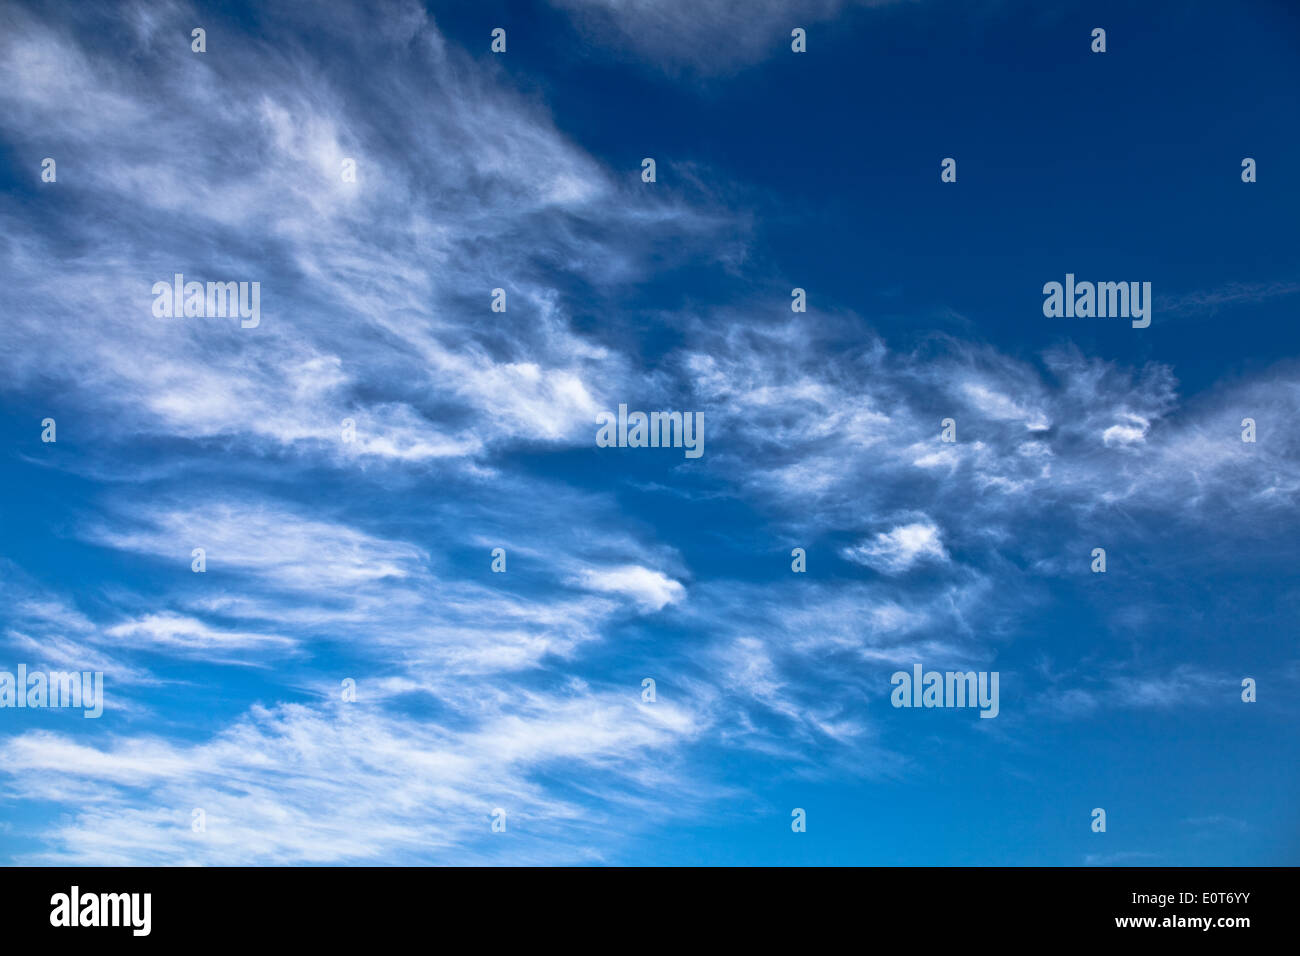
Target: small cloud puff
897	550
651	590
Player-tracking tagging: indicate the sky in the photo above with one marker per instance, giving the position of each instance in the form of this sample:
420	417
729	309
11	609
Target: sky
349	682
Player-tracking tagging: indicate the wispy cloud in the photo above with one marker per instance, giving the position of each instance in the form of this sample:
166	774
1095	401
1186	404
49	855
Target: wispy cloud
296	785
350	465
1210	301
707	36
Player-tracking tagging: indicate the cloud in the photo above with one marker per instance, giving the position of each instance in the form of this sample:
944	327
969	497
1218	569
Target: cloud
173	632
290	549
1181	688
280	580
1132	429
473	429
1122	858
1210	301
706	36
897	550
375	294
846	425
48	633
652	590
295	785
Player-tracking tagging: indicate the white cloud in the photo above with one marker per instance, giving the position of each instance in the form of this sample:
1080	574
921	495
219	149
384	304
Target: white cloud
900	548
1132	429
276	543
708	36
652	590
296	785
374	294
173	632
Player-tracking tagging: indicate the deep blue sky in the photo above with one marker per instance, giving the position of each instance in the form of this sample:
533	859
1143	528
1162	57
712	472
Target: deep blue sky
370	560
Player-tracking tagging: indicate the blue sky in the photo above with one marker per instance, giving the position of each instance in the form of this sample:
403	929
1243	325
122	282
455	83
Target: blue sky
370	560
